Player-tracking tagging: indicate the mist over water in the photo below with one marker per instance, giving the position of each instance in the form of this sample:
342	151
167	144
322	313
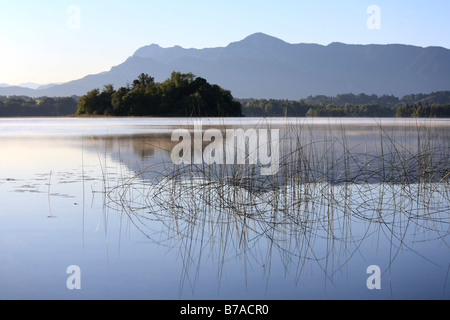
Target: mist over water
104	194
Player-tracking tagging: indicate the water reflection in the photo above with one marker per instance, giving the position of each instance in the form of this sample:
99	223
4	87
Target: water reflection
333	152
338	191
348	194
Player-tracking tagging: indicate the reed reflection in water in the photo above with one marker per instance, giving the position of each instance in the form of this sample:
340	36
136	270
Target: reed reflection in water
337	192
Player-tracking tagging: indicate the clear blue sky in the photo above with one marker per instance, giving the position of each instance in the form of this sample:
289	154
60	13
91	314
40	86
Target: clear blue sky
44	41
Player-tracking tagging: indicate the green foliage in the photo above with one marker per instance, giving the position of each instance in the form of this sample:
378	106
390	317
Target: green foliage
180	95
423	111
285	108
187	95
369	110
352	99
274	108
436	98
41	107
349	105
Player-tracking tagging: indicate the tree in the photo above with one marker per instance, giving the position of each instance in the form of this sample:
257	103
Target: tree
89	102
105	106
143	81
119	102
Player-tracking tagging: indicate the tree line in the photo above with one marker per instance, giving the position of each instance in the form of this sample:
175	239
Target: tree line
435	104
183	95
22	106
186	95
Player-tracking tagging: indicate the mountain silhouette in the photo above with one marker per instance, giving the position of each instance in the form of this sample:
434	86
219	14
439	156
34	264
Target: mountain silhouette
262	66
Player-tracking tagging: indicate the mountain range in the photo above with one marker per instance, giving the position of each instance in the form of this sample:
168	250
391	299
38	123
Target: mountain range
262	66
31	85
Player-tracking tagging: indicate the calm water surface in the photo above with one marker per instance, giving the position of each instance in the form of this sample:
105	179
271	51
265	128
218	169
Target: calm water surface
103	194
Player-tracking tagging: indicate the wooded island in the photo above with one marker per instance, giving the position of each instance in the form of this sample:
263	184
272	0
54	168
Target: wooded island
182	95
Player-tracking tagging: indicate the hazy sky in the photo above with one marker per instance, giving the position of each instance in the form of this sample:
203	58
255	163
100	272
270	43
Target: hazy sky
63	40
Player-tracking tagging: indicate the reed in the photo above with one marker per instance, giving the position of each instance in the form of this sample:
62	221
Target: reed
327	184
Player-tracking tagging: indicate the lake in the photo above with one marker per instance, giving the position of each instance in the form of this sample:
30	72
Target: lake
98	209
